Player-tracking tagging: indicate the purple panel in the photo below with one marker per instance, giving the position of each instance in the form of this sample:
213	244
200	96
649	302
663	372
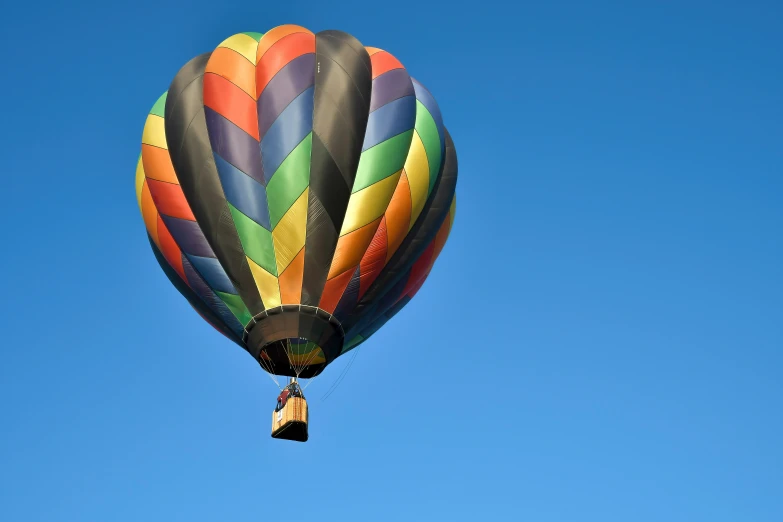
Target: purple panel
390	86
390	120
188	236
350	297
292	80
200	287
234	145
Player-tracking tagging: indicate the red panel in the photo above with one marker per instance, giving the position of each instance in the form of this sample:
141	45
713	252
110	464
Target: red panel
420	267
413	291
276	34
231	102
280	54
374	259
334	290
234	67
383	62
170	250
170	200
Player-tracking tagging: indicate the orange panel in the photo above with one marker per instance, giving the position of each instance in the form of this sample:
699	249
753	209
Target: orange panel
290	280
234	67
170	250
374	259
372	50
441	237
170	200
383	62
149	213
274	35
157	164
398	215
231	102
351	248
288	48
334	290
420	267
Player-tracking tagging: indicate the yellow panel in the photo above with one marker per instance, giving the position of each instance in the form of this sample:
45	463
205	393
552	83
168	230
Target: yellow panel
139	180
306	359
369	204
243	44
418	170
453	210
289	234
154	132
267	285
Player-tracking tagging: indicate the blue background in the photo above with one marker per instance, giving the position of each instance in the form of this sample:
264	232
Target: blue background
600	340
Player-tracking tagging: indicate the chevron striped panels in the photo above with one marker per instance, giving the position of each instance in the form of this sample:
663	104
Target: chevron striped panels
296	189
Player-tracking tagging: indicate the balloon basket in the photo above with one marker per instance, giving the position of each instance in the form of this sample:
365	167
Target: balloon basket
290	423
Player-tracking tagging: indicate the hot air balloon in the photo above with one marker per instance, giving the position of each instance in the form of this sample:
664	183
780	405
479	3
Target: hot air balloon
296	188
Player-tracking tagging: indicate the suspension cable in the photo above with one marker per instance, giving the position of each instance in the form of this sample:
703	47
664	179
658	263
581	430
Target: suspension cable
334	386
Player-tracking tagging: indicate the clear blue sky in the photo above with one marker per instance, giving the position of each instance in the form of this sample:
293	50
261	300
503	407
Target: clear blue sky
602	335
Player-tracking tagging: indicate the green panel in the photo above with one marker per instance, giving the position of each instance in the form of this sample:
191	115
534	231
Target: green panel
256	241
352	343
237	307
255	36
289	181
159	109
428	132
304	349
382	160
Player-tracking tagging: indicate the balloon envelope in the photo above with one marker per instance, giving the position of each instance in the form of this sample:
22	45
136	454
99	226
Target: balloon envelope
297	189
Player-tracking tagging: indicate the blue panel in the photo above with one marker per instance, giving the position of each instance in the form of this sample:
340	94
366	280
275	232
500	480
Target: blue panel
244	192
213	273
295	122
383	319
214	302
395	292
188	236
193	298
389	86
390	120
234	145
292	80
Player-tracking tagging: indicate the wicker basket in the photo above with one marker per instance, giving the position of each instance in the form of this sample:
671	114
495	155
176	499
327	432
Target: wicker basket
290	423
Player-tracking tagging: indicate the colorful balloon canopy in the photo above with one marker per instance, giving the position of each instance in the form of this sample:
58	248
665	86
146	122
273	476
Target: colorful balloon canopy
297	189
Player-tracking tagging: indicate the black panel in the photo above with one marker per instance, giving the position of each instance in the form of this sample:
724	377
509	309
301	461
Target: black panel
191	155
327	184
343	86
271	330
341	106
319	248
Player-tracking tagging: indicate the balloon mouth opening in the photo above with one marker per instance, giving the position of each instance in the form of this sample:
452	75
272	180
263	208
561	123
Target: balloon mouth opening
294	340
295	357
